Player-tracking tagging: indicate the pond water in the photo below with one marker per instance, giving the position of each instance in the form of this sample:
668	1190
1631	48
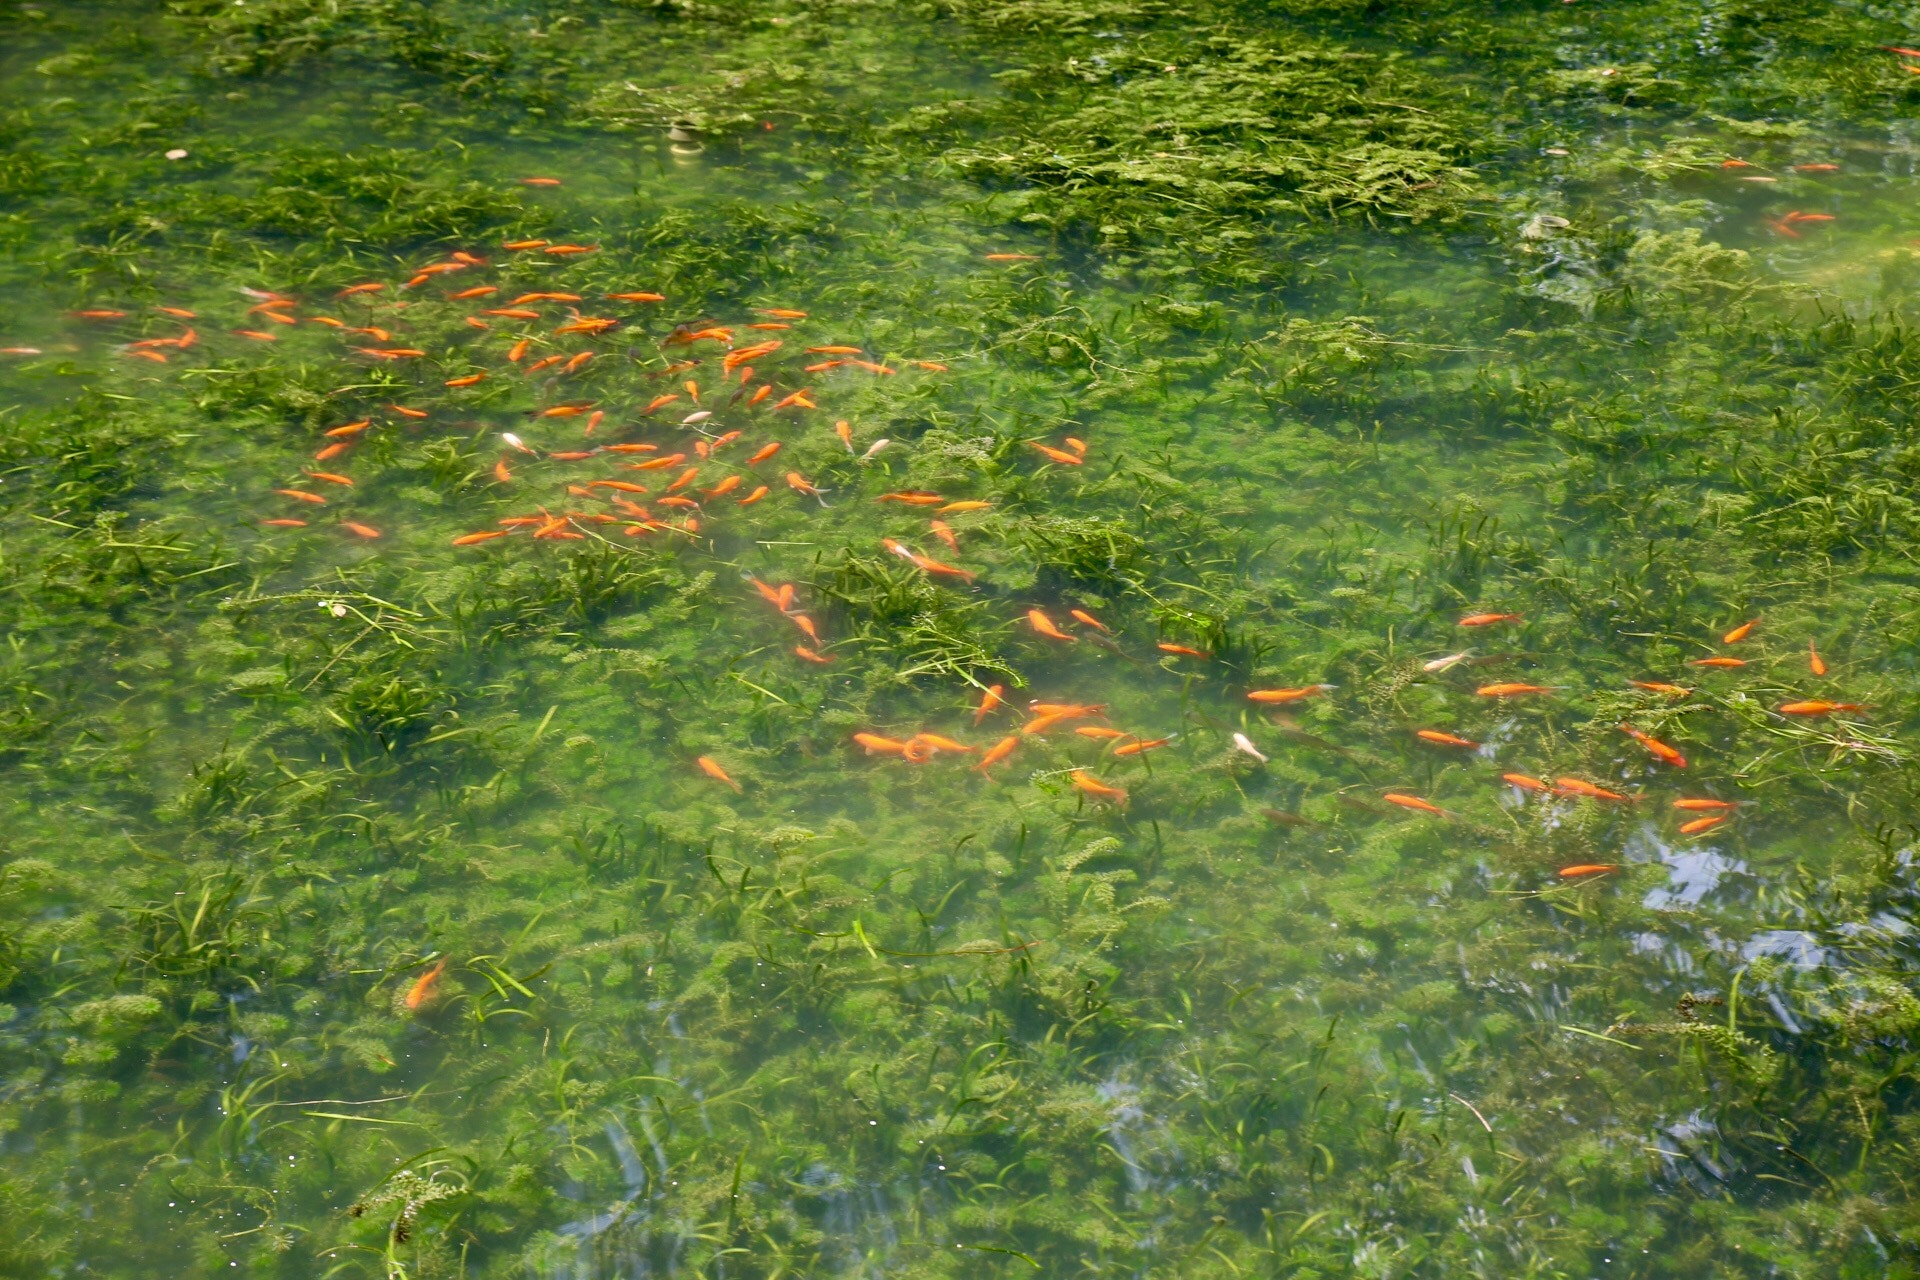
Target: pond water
985	638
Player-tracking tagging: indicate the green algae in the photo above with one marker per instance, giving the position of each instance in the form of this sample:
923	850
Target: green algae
860	1018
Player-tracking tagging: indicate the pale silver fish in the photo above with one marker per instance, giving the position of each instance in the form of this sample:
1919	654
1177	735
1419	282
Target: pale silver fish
515	441
1443	664
874	448
692	418
1242	742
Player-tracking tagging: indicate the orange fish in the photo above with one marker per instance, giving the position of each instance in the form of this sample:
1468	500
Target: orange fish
1081	615
1060	456
257	335
1815	663
1817	708
1740	632
877	745
805	624
1288	695
959	508
798	483
1525	783
405	412
845	432
781	313
349	429
501	473
154	356
933	366
485	535
835	351
1041	724
760	395
1013	257
1180	649
101	314
1078	446
1069	709
991	697
658	402
360	530
331	478
1671	690
1135	748
568	250
801	651
421	992
468	381
512	313
638	297
758	493
301	495
1100	732
479	291
684	479
763	453
1577	787
178	313
1511	690
943	531
1660	750
1414	803
516	351
726	486
938	743
539	182
353	289
997	752
1043	625
659	464
798	400
285	524
1586	869
714	771
577	363
632	448
1701	824
913	498
1099	790
1689	802
1446	739
1488	619
1718	662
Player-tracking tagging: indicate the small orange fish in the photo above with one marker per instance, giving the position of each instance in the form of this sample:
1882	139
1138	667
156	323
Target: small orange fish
714	771
805	624
1099	790
331	478
1414	803
798	400
801	651
577	363
1817	708
1718	662
877	745
845	432
781	313
1740	632
512	313
1690	802
1511	690
1446	739
1815	663
501	473
658	402
516	351
1100	732
759	395
405	412
178	313
1081	615
633	448
1078	446
349	429
155	356
1586	869
568	250
539	182
943	531
1060	456
301	495
758	493
1182	650
420	993
1072	710
763	453
933	366
1135	748
638	297
479	291
257	335
913	498
1013	257
1816	168
997	752
835	351
1488	619
485	535
563	411
1577	787
799	484
1660	750
659	464
726	486
101	314
472	379
960	508
1287	695
991	697
684	479
1043	625
360	530
1041	724
285	524
1671	690
1698	825
939	743
1525	783
355	289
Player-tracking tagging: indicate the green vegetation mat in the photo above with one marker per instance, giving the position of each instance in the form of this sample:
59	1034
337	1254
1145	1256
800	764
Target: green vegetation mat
435	837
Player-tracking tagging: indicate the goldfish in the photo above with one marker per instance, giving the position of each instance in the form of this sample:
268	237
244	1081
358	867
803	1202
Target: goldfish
569	250
578	362
587	324
1816	168
1817	708
618	486
688	503
1815	663
632	448
1243	744
684	479
960	508
462	256
405	412
726	486
1070	710
801	651
1135	748
742	355
913	498
1013	257
258	336
1099	790
1078	446
178	313
770	328
475	322
472	539
1740	632
1488	619
512	313
1698	825
758	493
1182	650
1660	750
877	745
469	380
1696	803
943	531
1060	456
539	182
420	993
285	524
301	495
1437	665
659	464
658	402
933	366
1100	732
1576	787
1671	690
391	353
845	432
478	291
938	743
992	697
638	297
360	530
1718	662
871	367
1525	783
1797	216
997	752
331	478
798	483
798	400
1446	739
764	452
1586	869
805	624
1043	625
154	356
1288	695
760	395
709	767
353	290
1414	803
516	351
1511	690
781	313
101	314
835	351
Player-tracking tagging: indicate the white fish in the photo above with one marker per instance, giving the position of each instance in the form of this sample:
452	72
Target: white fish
1443	664
1242	742
874	448
905	553
515	441
692	418
19	351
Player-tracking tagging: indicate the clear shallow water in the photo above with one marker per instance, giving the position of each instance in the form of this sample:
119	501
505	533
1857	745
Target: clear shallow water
866	1016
